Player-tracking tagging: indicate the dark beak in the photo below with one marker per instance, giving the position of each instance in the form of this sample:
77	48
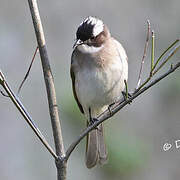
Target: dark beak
77	43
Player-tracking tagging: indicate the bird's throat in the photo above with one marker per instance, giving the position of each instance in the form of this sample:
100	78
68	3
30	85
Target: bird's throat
84	48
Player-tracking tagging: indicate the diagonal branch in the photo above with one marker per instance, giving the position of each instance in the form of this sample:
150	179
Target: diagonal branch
117	107
165	60
162	55
24	113
28	71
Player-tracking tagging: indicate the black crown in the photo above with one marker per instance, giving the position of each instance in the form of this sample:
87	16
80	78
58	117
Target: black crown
85	31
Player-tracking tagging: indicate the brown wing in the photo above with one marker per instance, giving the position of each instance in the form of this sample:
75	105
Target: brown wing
74	91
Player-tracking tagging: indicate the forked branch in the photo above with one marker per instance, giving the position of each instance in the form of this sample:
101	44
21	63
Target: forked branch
50	88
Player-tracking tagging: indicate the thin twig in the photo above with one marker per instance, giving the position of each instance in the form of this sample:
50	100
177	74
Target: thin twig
161	56
165	60
25	114
27	73
144	55
106	115
50	88
152	51
5	95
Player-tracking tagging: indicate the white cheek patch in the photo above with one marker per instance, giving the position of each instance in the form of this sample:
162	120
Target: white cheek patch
84	48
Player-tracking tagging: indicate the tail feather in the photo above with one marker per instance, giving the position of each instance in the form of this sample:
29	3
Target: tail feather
103	155
96	151
92	149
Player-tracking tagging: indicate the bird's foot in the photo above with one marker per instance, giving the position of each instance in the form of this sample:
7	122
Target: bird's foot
126	96
110	109
92	121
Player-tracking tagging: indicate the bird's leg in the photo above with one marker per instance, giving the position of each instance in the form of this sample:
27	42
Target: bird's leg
126	96
125	93
92	120
109	108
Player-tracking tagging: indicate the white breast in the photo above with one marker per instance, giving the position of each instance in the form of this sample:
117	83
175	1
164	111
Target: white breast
96	88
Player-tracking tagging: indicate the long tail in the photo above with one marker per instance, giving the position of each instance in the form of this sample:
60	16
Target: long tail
96	151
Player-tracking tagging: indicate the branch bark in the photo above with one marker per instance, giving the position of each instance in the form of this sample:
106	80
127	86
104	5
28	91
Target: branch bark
53	108
144	54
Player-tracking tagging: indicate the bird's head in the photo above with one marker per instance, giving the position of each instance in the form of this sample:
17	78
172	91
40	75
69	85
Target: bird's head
91	35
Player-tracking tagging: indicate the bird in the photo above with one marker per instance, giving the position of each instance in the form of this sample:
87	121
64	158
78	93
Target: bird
99	67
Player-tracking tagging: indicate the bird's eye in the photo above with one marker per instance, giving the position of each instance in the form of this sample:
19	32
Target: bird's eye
92	38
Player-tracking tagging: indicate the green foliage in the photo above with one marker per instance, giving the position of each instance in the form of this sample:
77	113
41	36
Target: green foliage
126	154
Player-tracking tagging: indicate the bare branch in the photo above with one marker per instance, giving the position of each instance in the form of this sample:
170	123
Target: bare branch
5	95
48	78
24	113
26	75
162	55
118	106
152	50
50	88
165	60
144	54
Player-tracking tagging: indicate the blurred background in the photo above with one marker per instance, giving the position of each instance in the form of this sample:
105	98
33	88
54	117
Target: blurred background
135	136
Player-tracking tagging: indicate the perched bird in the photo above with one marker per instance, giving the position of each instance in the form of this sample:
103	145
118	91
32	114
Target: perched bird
98	69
